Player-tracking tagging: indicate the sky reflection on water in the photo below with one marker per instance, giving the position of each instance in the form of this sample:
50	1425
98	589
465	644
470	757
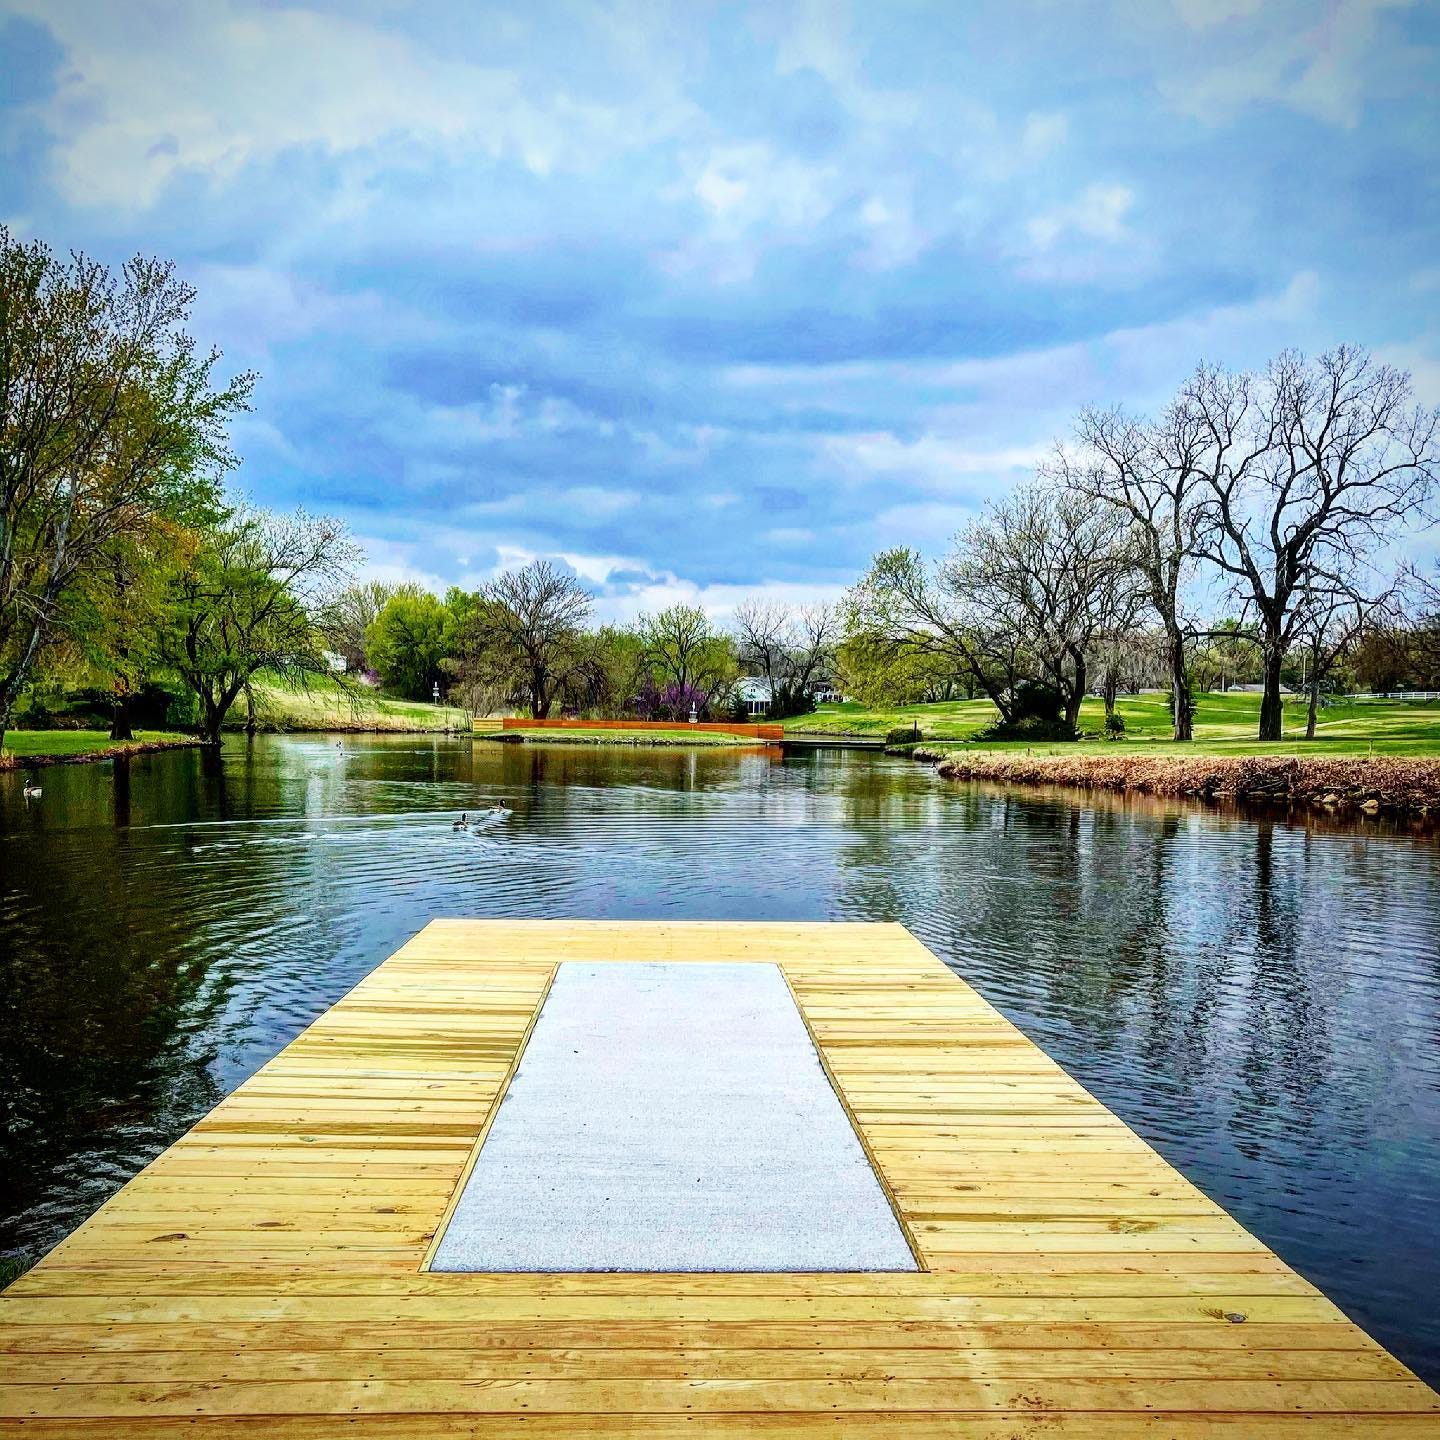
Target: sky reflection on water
1259	999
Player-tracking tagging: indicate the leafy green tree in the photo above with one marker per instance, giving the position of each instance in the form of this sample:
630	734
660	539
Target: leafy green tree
686	654
117	616
111	420
884	675
619	666
405	643
247	600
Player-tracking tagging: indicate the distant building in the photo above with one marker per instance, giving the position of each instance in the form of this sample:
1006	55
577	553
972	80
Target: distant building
755	694
335	663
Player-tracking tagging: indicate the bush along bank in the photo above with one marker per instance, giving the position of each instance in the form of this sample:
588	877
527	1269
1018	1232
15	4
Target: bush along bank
1369	784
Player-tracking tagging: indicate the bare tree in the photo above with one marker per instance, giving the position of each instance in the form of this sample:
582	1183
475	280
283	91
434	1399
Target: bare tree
248	601
1055	568
1152	474
791	648
1024	594
350	614
1423	633
527	625
109	422
1122	653
1330	616
1314	467
904	610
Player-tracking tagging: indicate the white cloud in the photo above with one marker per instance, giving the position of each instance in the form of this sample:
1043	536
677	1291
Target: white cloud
1098	213
595	502
1043	133
936	461
397	562
718	601
928	525
150	93
625	586
752	196
1422	360
894	238
257	307
1131	364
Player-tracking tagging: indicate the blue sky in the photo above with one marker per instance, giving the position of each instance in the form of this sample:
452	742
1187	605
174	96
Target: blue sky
716	300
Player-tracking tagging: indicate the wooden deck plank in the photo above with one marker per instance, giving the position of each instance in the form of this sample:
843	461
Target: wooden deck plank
269	1266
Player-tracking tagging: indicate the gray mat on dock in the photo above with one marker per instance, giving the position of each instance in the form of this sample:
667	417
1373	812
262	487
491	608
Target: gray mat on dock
671	1117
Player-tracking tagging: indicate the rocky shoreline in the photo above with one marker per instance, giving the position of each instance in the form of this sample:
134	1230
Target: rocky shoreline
1368	784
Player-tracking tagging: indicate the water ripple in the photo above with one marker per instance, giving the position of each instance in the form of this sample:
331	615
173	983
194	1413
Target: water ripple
1259	1000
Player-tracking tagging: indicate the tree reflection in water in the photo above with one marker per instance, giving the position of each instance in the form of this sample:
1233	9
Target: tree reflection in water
1259	998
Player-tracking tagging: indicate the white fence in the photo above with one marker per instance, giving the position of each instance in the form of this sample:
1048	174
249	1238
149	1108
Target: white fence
1397	695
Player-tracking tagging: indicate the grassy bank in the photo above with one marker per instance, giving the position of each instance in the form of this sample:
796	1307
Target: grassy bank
326	705
24	748
681	735
1224	725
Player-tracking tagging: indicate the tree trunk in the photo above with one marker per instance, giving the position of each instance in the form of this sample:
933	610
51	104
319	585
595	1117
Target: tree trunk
1077	692
213	710
1271	715
14	682
120	728
1314	705
251	723
1182	704
1112	689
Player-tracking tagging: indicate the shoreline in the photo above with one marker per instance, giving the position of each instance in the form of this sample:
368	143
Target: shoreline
116	750
1370	785
635	740
343	728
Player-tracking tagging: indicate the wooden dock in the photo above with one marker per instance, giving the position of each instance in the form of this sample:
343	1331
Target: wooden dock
265	1277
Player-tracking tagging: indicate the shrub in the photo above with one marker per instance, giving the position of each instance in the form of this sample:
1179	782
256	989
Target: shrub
903	735
1114	725
1035	715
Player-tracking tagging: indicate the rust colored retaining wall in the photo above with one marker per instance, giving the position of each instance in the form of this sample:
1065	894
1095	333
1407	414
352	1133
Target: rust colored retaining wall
756	732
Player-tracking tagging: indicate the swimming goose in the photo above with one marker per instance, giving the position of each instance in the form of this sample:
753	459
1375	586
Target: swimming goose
463	823
30	790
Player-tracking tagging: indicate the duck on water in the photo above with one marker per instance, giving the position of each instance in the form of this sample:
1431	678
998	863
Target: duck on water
481	818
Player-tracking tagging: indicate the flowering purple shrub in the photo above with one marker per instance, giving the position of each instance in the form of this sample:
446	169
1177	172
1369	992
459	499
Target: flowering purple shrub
672	703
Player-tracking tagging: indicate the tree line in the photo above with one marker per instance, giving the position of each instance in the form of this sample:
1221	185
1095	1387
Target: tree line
527	640
1276	498
1272	500
127	571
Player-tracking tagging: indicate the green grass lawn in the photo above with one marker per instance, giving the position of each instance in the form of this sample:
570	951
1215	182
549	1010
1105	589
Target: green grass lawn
1224	725
47	744
326	705
681	735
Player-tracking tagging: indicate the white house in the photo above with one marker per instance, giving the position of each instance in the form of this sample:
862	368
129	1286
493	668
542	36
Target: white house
755	694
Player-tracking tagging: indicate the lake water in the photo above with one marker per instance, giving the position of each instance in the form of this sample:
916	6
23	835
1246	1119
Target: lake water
1259	999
